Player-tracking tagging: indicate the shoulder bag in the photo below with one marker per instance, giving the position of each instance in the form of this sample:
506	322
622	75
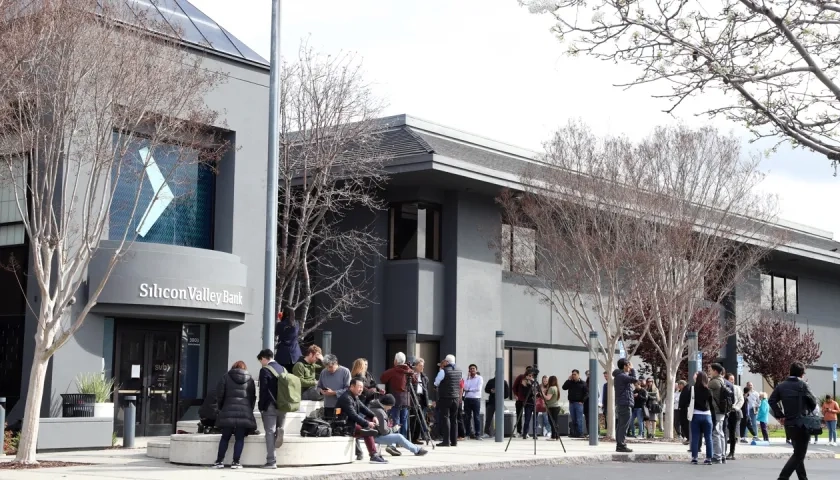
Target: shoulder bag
811	422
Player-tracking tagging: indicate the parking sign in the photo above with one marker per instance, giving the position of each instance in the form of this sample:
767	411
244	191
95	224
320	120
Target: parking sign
699	361
834	371
740	364
621	352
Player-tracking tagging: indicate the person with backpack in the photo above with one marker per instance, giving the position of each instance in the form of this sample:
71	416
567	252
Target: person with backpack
236	395
722	399
273	417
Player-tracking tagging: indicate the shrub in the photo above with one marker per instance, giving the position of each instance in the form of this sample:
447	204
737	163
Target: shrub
95	384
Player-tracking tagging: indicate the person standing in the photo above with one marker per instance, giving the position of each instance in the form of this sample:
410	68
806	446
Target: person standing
237	396
830	409
763	415
624	379
639	408
718	389
448	382
472	402
288	348
734	416
490	406
421	387
576	396
790	401
552	404
603	402
678	415
654	407
272	418
520	393
699	407
370	390
752	400
396	383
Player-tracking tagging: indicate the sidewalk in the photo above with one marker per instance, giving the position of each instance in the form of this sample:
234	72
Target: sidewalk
133	464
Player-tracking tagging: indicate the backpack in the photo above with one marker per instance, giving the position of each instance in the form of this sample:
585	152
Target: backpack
727	397
288	391
315	427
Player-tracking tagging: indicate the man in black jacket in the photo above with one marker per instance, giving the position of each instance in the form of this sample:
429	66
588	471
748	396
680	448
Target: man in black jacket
272	418
360	418
448	382
490	407
577	395
790	402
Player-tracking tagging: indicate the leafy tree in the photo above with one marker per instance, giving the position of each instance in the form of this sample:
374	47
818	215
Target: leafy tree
771	343
775	61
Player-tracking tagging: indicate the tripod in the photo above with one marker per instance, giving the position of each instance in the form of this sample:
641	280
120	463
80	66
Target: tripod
414	409
534	393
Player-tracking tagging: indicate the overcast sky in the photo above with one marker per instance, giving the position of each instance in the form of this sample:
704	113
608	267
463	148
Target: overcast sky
491	68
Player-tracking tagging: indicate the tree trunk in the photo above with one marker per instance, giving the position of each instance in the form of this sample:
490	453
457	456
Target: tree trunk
32	412
610	404
668	400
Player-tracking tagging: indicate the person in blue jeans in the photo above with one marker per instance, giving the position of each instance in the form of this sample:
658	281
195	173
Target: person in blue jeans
701	412
830	409
639	402
576	396
386	434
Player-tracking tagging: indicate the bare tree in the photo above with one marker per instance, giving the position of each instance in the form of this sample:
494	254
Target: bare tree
87	100
775	61
574	226
330	165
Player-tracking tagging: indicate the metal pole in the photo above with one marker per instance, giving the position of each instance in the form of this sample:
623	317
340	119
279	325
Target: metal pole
691	338
272	189
500	386
411	345
326	340
3	426
130	421
593	389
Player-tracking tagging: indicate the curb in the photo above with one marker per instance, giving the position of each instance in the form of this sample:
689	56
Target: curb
544	462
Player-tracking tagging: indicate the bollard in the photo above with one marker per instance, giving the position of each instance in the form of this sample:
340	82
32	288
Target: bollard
130	421
411	345
326	348
500	387
3	425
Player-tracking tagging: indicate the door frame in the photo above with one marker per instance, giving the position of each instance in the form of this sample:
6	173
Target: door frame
146	328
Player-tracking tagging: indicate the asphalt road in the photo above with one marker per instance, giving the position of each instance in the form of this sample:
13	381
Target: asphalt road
737	470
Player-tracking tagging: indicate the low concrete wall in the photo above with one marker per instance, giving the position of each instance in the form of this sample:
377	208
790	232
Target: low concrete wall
297	451
75	433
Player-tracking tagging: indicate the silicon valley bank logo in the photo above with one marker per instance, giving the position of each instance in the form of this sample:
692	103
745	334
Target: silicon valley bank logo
162	193
195	294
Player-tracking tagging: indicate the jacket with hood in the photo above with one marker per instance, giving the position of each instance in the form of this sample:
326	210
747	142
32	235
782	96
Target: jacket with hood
395	380
383	428
307	373
236	395
763	411
623	383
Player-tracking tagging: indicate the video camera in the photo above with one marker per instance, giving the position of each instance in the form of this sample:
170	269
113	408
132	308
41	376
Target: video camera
535	370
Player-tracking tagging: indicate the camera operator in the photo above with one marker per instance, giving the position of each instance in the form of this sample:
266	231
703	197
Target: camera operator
396	383
520	392
421	386
528	390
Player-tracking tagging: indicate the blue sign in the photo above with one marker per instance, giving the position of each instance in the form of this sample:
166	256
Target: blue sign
740	364
699	361
621	352
834	371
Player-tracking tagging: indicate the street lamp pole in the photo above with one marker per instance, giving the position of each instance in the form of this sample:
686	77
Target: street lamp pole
272	188
500	387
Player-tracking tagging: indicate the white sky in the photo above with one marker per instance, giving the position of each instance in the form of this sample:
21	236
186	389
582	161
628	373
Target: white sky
491	68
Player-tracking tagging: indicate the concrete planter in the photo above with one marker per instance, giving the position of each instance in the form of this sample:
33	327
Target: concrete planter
103	410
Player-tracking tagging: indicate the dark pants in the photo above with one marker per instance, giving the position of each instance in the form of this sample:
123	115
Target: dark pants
472	414
448	420
734	422
238	443
529	424
799	438
489	417
519	406
622	423
677	423
585	426
746	423
554	414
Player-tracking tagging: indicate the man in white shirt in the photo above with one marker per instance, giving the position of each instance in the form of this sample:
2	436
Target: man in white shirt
472	402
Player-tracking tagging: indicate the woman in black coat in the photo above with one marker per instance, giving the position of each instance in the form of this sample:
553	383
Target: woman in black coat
236	395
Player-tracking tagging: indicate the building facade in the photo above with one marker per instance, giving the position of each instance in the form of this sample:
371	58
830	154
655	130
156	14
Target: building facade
441	275
185	302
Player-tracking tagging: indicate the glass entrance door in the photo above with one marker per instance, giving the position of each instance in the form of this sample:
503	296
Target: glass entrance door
146	366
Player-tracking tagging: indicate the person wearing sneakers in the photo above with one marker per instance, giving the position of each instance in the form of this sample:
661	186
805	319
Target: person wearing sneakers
830	409
388	435
360	418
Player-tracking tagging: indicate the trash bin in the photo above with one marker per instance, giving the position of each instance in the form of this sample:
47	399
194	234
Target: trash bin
510	419
77	404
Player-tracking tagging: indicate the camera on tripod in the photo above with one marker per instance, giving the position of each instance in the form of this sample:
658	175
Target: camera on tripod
535	370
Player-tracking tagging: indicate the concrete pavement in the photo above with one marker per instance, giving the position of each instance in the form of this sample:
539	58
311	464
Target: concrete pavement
119	464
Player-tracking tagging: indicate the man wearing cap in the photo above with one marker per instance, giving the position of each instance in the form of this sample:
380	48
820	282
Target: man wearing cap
386	434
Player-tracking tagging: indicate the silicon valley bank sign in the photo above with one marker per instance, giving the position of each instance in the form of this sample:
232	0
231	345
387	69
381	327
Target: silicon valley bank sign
194	294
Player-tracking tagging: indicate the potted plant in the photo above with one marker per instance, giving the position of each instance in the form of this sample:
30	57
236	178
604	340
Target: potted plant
101	388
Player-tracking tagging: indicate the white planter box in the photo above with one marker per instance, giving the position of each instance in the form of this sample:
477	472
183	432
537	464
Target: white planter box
103	410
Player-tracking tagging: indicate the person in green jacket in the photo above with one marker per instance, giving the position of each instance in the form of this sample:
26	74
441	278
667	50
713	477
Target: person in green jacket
307	370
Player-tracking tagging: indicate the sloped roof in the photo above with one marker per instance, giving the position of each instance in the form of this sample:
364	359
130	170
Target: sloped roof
182	20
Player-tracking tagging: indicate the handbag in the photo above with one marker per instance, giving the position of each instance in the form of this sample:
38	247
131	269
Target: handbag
811	422
540	405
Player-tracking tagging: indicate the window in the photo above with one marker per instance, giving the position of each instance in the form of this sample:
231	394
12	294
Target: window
193	367
12	196
175	201
414	231
516	360
519	249
779	293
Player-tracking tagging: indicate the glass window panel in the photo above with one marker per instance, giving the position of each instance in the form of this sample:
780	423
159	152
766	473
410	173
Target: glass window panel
522	358
177	209
211	30
766	292
404	231
779	293
791	298
12	234
145	16
180	21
